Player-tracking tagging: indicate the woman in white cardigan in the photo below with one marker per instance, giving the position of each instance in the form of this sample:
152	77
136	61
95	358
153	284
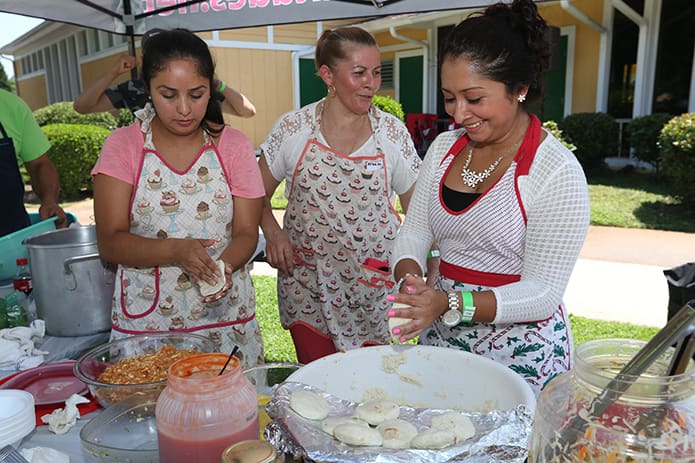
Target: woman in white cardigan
503	201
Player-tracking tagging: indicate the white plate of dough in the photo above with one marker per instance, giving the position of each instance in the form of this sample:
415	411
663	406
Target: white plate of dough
418	376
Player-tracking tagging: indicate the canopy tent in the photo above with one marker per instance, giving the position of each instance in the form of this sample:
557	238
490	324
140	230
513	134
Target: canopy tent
135	17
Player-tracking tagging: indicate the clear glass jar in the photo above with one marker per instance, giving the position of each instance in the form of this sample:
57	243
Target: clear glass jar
652	421
200	413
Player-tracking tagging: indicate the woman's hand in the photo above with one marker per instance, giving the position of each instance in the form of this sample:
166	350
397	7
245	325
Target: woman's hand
279	252
191	255
426	305
223	292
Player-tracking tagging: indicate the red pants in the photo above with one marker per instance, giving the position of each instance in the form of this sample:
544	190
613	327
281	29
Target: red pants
311	344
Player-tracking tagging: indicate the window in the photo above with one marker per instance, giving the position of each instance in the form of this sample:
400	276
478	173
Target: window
387	74
84	45
62	70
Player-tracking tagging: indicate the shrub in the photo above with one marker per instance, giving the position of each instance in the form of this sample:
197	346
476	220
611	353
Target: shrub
643	135
389	105
594	134
552	127
63	113
74	150
677	143
125	117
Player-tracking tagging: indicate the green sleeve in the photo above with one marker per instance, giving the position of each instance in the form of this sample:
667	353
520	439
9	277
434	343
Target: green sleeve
32	143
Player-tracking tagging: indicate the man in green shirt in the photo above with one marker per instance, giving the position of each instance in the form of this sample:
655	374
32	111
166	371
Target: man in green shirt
23	142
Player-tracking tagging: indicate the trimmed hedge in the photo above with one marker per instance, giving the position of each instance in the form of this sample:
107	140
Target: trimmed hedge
389	105
74	151
63	113
552	127
643	135
677	143
594	134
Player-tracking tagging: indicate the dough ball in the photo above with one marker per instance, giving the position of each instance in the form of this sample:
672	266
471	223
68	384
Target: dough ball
432	439
459	424
329	423
207	289
309	404
357	435
397	434
393	323
376	412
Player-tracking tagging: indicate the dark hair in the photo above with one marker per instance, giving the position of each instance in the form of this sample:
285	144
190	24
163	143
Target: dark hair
331	46
505	43
161	46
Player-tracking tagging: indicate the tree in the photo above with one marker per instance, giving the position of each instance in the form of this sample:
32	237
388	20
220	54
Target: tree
5	82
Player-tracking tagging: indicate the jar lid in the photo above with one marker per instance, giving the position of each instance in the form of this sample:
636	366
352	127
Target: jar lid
249	451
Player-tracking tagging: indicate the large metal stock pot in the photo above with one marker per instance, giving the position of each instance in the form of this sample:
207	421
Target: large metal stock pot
73	287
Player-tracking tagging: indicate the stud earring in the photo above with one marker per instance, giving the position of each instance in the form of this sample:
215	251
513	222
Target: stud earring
521	98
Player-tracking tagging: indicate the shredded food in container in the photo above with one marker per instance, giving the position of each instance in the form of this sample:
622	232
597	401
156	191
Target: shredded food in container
147	368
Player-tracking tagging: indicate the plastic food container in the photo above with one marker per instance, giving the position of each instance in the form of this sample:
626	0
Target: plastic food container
651	422
264	378
200	413
92	364
125	432
419	376
11	247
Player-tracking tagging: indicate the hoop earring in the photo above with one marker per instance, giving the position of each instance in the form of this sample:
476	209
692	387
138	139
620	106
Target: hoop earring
331	91
521	98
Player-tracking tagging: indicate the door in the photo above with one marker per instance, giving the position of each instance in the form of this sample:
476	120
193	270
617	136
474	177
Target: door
311	87
410	83
552	106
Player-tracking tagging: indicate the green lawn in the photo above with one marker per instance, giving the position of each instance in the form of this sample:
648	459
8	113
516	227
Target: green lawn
637	200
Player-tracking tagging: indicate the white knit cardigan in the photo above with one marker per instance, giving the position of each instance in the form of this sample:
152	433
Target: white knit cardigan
556	200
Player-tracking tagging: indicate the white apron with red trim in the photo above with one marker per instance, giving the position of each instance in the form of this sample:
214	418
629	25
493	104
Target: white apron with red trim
196	203
338	215
536	350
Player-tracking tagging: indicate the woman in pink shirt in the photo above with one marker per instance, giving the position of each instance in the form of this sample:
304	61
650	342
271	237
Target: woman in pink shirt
174	194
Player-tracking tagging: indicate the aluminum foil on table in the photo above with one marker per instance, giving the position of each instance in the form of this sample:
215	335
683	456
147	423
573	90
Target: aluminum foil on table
501	436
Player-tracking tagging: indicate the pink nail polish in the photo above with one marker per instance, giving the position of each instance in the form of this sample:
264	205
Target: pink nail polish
390	297
391	313
396	330
409	289
402	339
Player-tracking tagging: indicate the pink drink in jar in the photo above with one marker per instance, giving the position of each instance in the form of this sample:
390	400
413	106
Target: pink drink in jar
201	413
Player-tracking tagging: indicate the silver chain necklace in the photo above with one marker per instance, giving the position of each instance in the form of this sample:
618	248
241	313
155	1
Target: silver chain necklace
472	178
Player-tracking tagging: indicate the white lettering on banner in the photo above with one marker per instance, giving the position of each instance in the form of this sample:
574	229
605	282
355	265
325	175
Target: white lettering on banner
218	5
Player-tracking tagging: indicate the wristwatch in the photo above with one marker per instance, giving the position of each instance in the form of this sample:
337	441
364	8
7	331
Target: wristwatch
453	316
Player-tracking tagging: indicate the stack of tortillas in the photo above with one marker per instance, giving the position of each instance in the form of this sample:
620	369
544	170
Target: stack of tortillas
376	423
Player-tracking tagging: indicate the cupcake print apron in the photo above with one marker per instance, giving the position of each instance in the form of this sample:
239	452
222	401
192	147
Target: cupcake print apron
195	203
338	215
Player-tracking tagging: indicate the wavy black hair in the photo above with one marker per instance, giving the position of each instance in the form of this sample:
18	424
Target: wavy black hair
161	46
504	43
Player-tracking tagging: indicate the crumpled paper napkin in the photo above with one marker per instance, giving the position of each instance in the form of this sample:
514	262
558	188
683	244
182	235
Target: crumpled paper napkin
44	455
17	346
60	420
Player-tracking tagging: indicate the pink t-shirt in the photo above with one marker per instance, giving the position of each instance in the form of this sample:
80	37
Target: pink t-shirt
121	158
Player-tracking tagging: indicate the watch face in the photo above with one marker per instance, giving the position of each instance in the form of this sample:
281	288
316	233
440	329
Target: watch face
451	317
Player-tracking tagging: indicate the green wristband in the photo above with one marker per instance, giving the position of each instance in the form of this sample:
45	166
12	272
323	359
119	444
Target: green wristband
467	307
433	253
223	85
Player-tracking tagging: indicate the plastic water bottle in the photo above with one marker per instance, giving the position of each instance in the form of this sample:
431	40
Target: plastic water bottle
17	303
